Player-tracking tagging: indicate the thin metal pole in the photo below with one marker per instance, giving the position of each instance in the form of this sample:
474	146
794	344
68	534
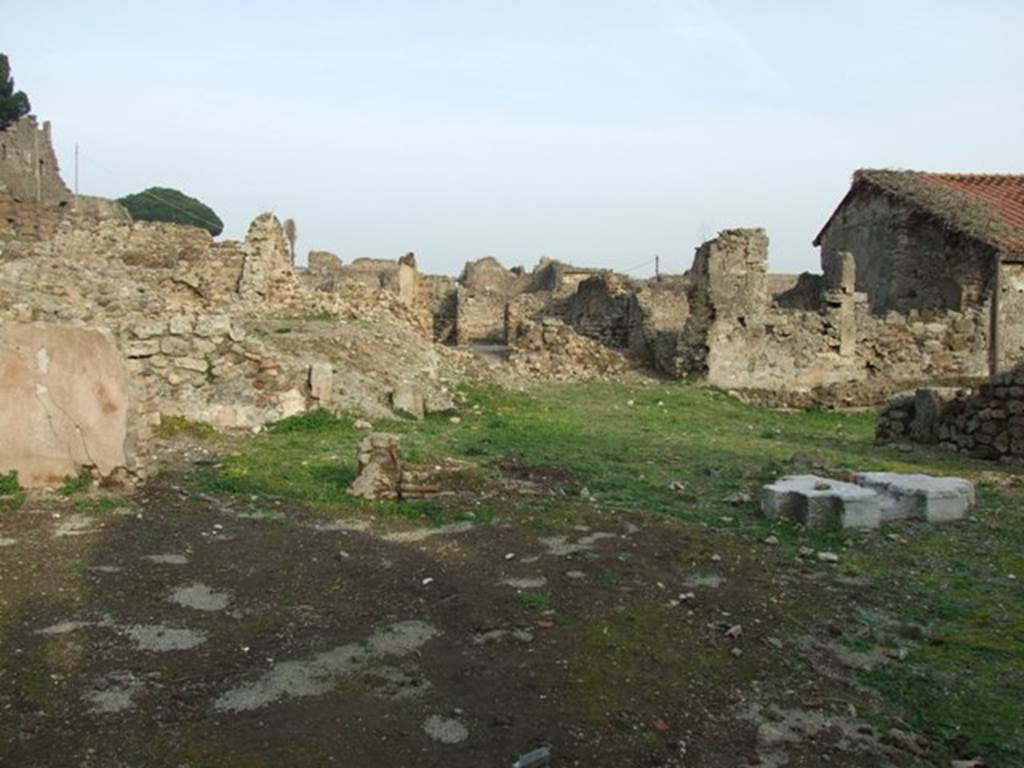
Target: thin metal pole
76	169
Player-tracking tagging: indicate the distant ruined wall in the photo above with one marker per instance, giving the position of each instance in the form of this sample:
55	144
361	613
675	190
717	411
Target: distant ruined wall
805	293
737	337
176	304
480	317
728	287
599	309
32	194
656	314
905	259
480	298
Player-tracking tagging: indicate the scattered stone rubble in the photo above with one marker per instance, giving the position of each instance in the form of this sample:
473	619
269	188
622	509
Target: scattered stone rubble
871	499
551	349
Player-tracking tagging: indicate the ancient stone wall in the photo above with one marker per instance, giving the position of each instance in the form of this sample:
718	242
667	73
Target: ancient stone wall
480	298
32	194
1008	349
222	333
737	337
480	317
804	293
599	309
99	209
398	278
522	311
905	259
987	422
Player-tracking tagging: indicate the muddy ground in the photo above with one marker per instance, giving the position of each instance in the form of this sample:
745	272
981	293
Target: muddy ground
173	627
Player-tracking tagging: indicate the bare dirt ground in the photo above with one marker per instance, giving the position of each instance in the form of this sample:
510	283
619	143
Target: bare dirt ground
184	628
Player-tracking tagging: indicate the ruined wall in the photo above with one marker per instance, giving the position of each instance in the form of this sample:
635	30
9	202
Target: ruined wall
484	289
738	338
805	293
373	274
905	259
211	331
98	208
32	194
322	271
479	317
655	317
487	275
599	309
524	311
727	285
438	295
1009	316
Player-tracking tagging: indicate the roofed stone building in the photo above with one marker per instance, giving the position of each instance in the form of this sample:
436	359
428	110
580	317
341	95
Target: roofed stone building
935	242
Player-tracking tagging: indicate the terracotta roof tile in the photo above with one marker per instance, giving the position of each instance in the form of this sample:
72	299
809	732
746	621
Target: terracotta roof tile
988	207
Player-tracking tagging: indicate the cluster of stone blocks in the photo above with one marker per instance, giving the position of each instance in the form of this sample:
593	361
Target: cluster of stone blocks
987	422
871	499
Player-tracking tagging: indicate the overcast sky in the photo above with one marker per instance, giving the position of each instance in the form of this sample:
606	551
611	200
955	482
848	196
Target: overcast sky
599	133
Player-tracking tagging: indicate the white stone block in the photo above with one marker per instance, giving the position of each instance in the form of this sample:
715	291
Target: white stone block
920	497
819	502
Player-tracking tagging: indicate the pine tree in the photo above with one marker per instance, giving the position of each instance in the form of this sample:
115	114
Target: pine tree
14	105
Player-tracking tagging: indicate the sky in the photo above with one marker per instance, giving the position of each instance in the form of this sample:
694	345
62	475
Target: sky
598	133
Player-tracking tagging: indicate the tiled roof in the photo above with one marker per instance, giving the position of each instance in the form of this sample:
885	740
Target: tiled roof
987	207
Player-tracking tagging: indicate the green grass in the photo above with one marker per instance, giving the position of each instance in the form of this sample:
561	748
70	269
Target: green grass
175	426
100	506
536	600
955	580
322	316
76	483
611	578
12	496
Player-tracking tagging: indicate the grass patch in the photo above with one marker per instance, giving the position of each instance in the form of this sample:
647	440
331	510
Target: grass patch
12	496
76	483
536	600
952	579
100	506
318	420
611	578
179	426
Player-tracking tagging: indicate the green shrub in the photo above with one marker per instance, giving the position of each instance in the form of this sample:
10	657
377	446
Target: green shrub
14	105
164	204
173	426
11	494
74	483
310	421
